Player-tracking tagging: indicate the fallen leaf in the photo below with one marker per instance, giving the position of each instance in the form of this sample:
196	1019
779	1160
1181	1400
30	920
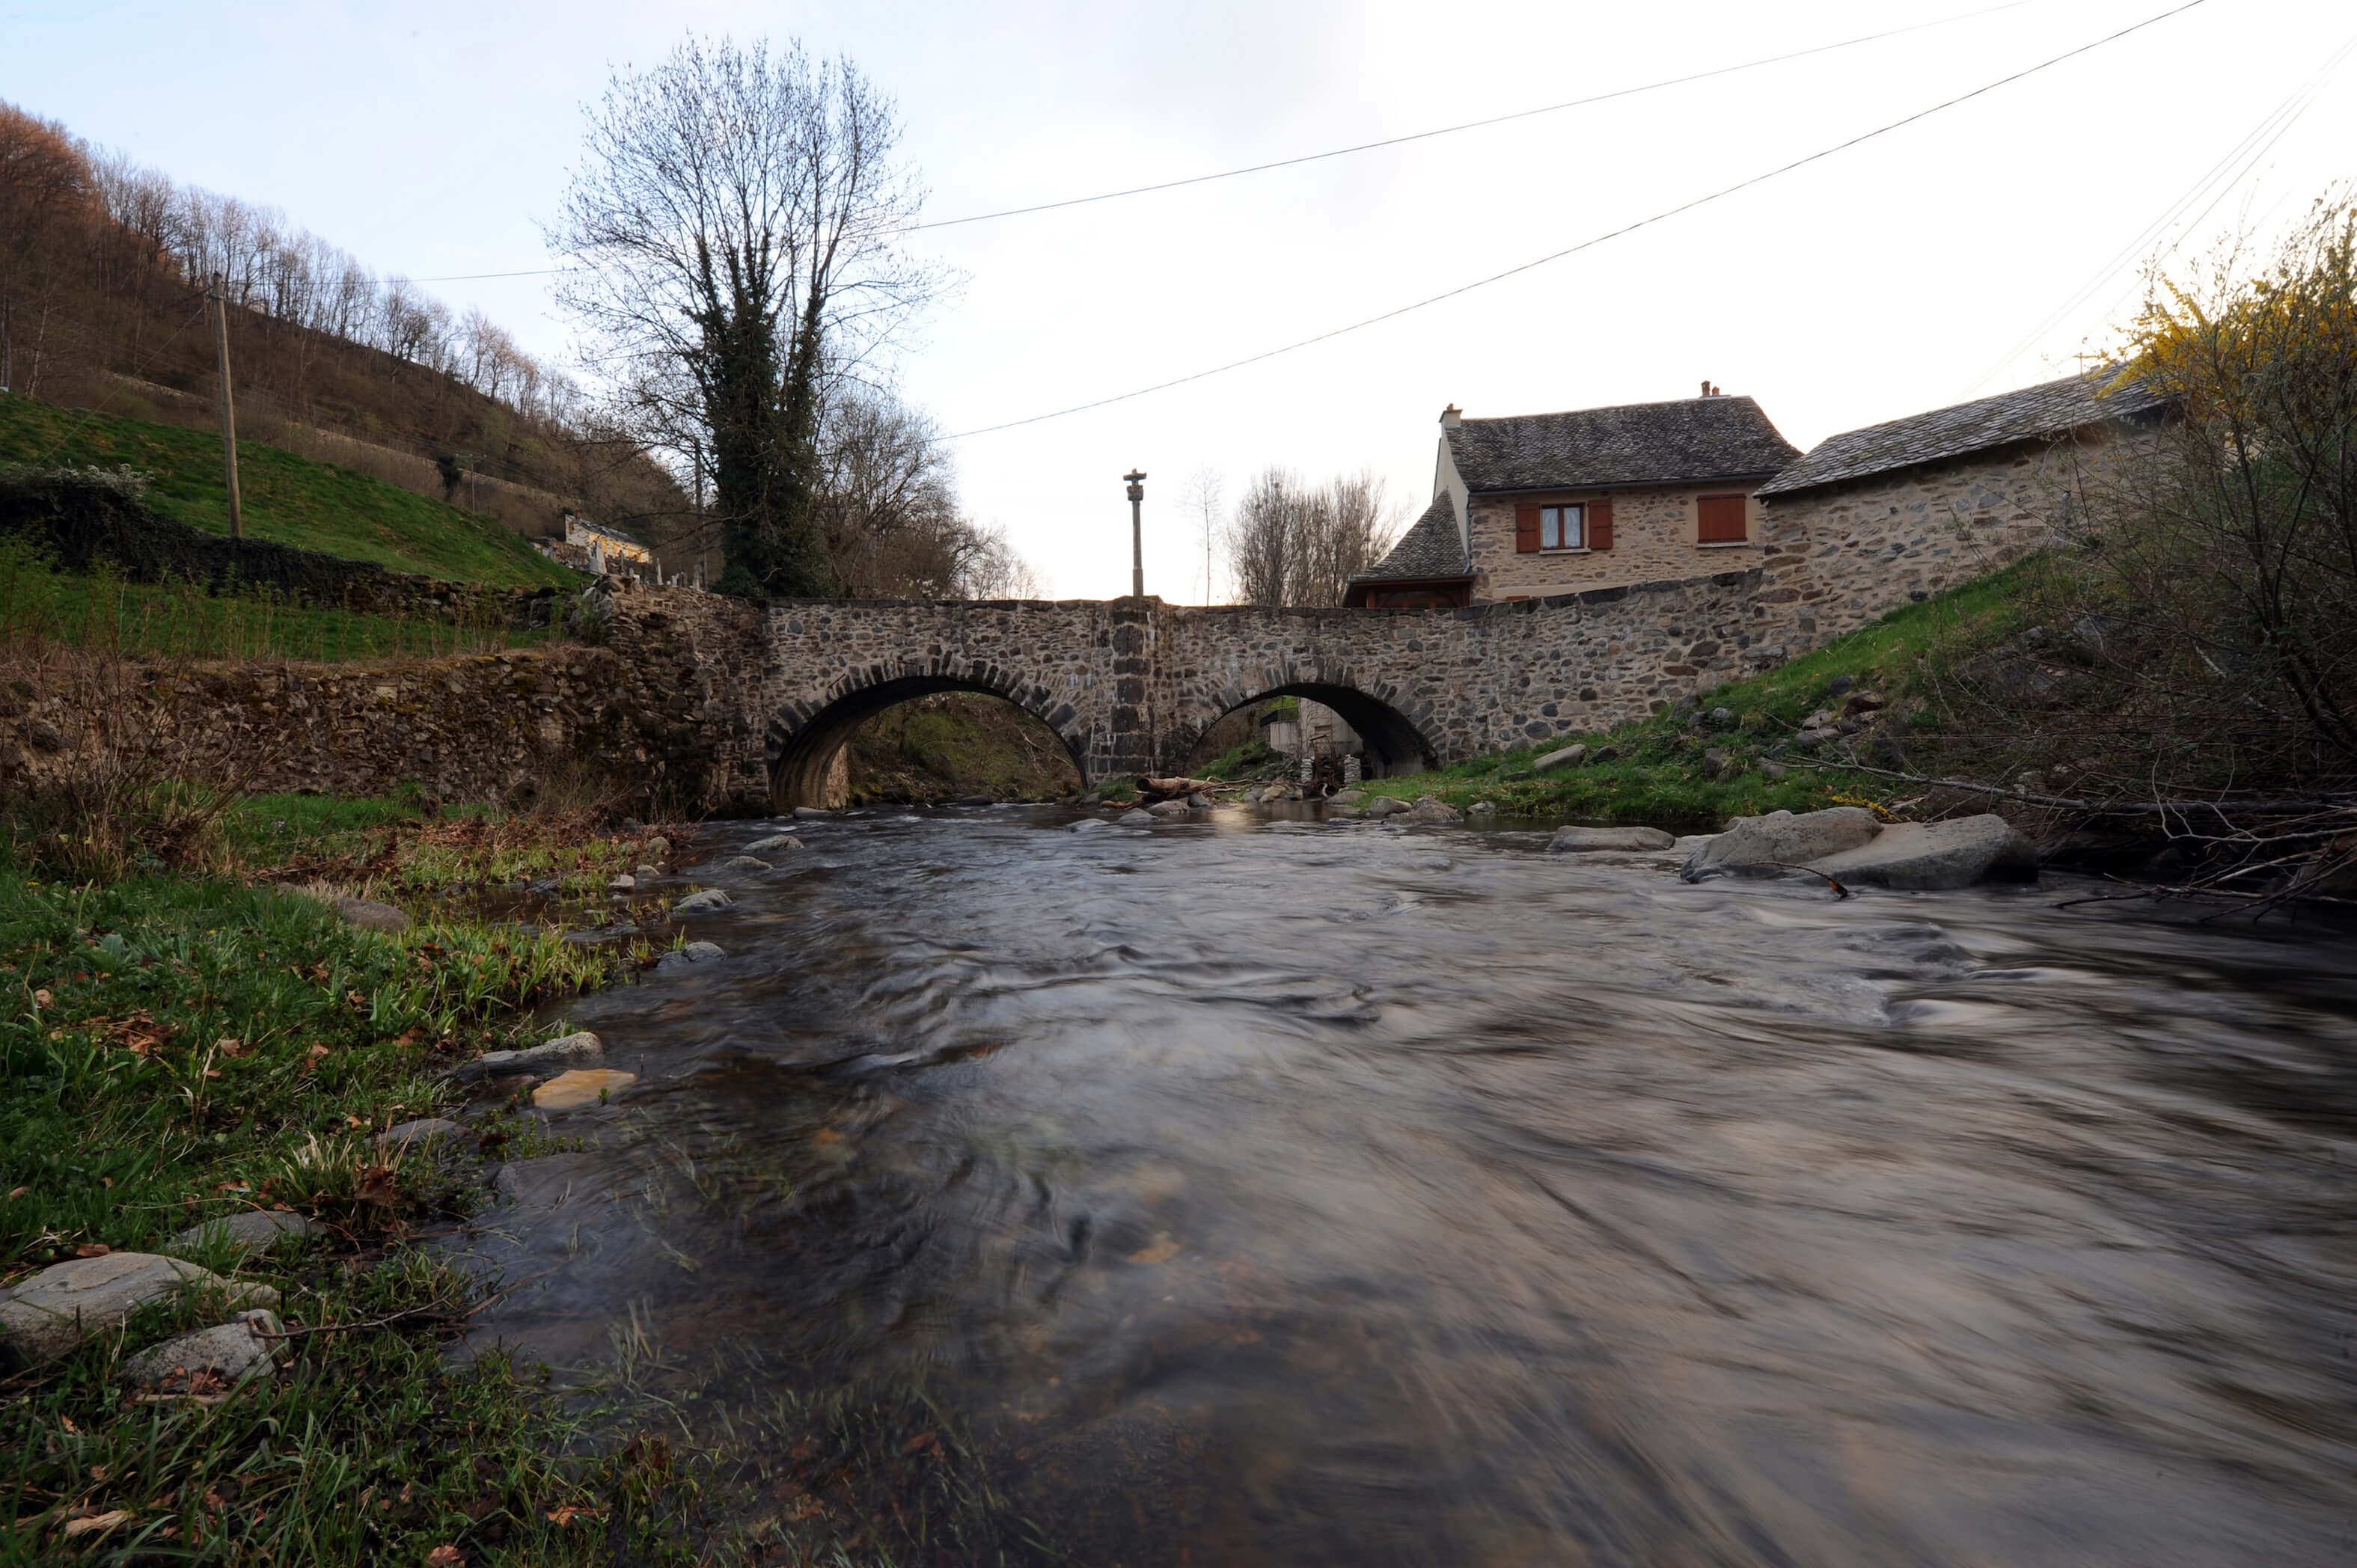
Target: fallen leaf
43	999
92	1250
100	1521
359	1003
376	1186
445	1556
924	1441
230	1046
567	1513
14	1193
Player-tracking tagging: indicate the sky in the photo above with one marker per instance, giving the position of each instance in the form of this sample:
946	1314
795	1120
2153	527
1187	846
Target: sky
1983	247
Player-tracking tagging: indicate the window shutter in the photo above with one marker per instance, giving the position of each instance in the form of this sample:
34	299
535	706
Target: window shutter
1599	523
1720	519
1526	528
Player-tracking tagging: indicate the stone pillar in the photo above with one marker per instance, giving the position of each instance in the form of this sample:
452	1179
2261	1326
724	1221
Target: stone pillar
1130	743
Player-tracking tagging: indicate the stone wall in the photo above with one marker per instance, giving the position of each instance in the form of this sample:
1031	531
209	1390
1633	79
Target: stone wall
1841	555
656	712
1652	541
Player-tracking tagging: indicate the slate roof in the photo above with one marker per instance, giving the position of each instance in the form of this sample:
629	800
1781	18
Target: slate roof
1430	549
1694	438
2047	409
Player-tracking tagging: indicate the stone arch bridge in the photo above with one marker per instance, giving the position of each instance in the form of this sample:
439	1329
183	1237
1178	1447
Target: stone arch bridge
1129	685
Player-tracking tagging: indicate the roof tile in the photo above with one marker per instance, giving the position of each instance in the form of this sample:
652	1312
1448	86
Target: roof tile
2047	409
1695	438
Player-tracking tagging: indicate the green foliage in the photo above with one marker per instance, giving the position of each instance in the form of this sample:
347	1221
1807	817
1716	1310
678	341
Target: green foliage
1253	759
958	743
290	499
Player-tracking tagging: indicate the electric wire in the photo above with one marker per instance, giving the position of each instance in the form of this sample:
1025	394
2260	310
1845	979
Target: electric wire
1337	152
2254	145
1595	241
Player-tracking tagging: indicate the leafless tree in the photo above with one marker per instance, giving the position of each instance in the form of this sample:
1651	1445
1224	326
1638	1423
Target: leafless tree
735	234
888	511
1292	543
1202	497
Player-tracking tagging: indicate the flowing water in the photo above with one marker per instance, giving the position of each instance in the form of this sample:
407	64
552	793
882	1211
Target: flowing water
1290	1192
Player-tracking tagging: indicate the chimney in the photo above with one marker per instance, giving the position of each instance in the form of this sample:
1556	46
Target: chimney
1451	418
1706	389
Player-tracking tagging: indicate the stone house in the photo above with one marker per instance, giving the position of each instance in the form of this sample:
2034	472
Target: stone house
1538	504
1876	517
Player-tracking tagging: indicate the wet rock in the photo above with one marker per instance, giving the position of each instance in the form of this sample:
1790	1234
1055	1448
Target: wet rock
251	1232
57	1308
1350	797
535	1059
1428	810
623	885
582	1086
1387	805
655	848
1483	809
1137	818
1168	809
1570	756
1760	845
703	903
644	875
744	863
212	1360
372	917
1923	857
805	813
424	1129
1086	824
1590	840
773	843
692	954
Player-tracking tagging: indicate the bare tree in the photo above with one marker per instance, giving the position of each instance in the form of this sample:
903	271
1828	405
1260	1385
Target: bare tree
1202	497
735	234
1295	544
888	511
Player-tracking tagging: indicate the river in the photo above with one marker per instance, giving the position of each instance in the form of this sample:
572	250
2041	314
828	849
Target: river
1284	1193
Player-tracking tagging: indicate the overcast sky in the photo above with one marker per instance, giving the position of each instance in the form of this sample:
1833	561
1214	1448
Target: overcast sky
1954	257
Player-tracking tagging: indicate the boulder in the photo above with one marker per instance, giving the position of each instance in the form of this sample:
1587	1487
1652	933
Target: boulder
1429	810
655	848
52	1312
1136	818
1087	824
1168	808
533	1059
1590	841
1761	846
644	875
1350	797
1483	809
1387	805
624	884
212	1360
252	1232
423	1130
582	1086
1199	800
702	902
692	954
372	917
1570	756
744	863
773	843
805	813
1923	857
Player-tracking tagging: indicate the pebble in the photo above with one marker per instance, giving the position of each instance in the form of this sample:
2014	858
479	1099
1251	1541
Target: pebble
582	1086
702	902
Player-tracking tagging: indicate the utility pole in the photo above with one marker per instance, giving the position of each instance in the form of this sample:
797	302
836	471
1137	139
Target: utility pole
228	412
1136	533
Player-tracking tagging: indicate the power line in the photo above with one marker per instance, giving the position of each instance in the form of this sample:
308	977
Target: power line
1590	243
1336	151
1468	125
2253	146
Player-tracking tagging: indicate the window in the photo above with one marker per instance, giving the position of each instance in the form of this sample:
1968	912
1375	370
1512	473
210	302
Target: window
1721	519
1563	525
1559	528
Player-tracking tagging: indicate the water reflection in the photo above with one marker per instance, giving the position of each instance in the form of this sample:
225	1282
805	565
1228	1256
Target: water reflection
1295	1193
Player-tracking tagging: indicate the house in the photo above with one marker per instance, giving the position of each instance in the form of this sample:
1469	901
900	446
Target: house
1872	519
1597	498
589	548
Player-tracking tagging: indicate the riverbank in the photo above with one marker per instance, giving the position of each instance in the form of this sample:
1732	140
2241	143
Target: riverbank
187	1047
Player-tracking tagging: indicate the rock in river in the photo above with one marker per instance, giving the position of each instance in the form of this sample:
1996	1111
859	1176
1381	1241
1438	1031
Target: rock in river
1590	840
1927	855
1761	846
582	1086
702	902
773	843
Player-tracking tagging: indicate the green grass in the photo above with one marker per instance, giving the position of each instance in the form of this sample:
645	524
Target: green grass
1657	782
181	620
294	500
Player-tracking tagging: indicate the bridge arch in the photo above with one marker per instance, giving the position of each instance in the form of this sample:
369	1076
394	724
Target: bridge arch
1391	726
806	740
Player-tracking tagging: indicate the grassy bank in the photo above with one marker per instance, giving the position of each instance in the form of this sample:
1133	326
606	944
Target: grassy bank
294	500
182	620
956	746
1653	771
182	1046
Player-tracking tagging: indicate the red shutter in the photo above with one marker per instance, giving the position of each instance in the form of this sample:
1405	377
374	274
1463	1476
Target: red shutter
1599	524
1526	528
1720	519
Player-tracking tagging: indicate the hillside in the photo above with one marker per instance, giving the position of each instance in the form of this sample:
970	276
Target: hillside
291	500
